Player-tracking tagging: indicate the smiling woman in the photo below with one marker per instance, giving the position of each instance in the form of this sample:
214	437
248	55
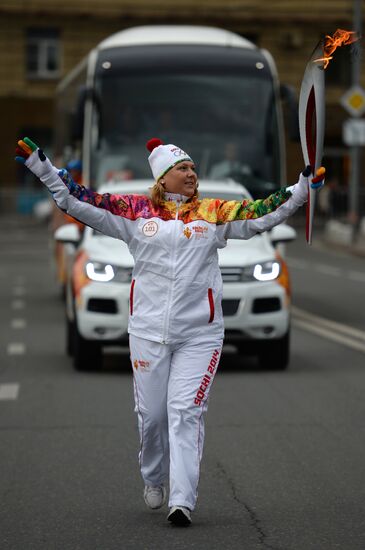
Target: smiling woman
176	320
180	177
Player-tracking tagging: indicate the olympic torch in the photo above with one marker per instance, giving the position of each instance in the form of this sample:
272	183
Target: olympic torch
311	124
312	112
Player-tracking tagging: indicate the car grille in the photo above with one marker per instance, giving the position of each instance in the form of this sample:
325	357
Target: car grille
230	307
266	305
102	305
231	274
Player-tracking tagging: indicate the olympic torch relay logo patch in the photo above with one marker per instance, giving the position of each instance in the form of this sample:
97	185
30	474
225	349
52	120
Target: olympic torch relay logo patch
187	232
150	229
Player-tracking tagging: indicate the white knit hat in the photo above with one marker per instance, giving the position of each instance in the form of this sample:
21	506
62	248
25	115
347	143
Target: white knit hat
163	157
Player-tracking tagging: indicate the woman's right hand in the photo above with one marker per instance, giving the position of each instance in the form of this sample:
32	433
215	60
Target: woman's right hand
28	153
24	149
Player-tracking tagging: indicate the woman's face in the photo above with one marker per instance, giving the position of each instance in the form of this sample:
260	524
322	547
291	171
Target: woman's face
181	179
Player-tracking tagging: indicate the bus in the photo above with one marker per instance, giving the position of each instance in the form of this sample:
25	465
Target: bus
210	91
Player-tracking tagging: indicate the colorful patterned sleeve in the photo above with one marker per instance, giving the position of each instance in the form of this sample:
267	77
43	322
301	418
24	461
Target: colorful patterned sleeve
112	215
243	220
119	205
230	211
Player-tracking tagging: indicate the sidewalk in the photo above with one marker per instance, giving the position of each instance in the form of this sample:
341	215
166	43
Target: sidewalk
340	235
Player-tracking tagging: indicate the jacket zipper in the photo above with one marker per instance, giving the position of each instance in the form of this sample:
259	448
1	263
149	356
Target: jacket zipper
131	293
169	295
211	305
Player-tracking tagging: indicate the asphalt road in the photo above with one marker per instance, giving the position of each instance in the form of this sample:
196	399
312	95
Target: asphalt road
284	461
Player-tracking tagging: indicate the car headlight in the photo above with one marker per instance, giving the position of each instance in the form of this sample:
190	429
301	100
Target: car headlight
266	271
98	271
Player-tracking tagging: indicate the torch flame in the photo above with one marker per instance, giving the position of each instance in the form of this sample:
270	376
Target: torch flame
331	43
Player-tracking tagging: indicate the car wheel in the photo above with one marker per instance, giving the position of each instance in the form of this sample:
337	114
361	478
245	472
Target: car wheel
70	329
87	354
275	354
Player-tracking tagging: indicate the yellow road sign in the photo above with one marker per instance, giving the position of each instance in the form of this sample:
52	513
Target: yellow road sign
354	101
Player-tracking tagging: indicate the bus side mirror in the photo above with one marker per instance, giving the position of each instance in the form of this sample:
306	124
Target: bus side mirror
84	93
287	94
79	114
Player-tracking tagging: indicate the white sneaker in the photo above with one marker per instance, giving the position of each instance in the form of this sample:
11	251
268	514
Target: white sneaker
154	497
179	515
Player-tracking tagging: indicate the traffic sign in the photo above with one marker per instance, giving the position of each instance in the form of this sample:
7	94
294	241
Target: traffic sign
353	132
354	101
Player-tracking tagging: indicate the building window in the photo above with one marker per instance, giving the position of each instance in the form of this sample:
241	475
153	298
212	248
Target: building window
43	53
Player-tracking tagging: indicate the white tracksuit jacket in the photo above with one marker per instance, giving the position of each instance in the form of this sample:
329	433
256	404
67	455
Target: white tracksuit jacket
176	321
176	290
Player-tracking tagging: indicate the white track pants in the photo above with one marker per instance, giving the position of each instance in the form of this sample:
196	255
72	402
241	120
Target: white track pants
171	388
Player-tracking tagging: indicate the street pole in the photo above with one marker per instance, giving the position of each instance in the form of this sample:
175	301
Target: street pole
355	153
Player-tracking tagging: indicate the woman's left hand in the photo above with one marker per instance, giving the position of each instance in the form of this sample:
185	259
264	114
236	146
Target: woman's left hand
318	181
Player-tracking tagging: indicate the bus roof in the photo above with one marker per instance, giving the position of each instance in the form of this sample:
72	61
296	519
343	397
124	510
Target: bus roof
175	34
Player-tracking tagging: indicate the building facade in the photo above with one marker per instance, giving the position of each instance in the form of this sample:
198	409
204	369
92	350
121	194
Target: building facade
41	43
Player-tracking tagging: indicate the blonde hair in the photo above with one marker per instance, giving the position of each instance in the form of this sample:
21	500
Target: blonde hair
158	193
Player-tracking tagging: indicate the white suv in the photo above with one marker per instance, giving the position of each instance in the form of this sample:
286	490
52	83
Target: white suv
256	287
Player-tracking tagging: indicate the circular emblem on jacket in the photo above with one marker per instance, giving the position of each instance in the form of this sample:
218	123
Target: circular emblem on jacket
150	229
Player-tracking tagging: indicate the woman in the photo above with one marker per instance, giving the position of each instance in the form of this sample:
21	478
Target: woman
176	322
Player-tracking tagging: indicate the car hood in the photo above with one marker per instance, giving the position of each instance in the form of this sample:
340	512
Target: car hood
246	252
109	251
237	252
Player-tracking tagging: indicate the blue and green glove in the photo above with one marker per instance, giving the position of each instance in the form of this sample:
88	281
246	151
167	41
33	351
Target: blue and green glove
318	180
25	148
28	153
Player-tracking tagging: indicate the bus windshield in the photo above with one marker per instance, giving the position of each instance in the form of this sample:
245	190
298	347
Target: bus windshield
226	122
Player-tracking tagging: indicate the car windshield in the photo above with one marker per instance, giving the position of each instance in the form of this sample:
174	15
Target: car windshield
227	125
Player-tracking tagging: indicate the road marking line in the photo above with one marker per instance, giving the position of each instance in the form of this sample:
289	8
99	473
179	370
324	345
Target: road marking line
328	270
337	332
324	269
15	348
357	276
333	325
18	323
298	264
17	304
9	391
18	291
334	336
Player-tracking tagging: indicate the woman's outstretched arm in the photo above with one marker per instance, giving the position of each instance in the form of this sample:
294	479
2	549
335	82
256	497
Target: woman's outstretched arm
243	220
109	214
